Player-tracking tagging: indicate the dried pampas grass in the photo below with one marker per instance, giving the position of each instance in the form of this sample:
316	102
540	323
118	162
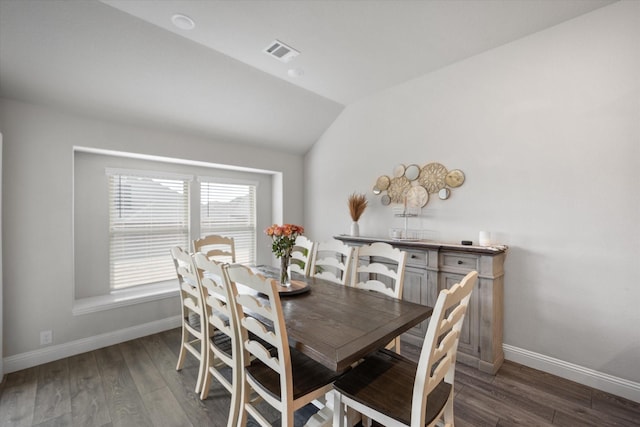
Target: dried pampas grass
357	205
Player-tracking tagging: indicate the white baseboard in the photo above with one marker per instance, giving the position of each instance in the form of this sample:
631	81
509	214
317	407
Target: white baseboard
589	377
60	351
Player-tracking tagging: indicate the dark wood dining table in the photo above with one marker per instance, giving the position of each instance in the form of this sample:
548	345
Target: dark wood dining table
338	325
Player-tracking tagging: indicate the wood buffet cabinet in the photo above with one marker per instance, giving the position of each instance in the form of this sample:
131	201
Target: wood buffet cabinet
432	266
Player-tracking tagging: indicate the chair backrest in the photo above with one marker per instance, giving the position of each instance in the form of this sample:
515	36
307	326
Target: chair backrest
438	355
380	267
332	261
216	247
190	294
215	294
191	304
302	255
262	322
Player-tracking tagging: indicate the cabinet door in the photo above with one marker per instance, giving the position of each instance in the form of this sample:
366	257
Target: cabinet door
415	289
470	333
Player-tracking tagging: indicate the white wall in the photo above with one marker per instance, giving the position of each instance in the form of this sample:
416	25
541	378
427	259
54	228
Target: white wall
38	222
547	131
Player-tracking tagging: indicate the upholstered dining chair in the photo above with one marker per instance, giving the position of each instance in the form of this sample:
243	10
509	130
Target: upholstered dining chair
284	378
394	390
216	247
332	261
302	255
380	267
193	328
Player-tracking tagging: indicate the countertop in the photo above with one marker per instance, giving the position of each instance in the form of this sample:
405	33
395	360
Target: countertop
425	244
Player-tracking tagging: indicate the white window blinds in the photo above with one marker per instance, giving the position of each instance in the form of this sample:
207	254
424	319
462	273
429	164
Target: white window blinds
147	216
229	209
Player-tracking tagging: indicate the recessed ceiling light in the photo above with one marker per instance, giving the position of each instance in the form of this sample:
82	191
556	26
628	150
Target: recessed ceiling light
183	22
295	72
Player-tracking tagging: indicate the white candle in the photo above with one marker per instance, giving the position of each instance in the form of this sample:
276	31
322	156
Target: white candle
484	238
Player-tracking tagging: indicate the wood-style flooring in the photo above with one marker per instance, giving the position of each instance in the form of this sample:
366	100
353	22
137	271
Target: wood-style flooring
135	384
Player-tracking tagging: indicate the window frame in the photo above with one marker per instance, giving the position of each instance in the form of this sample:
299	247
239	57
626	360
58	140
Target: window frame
91	292
143	253
245	251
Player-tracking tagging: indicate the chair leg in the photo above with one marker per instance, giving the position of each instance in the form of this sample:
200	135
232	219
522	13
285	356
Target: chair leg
206	383
236	399
244	398
448	411
338	410
183	349
242	418
203	369
286	417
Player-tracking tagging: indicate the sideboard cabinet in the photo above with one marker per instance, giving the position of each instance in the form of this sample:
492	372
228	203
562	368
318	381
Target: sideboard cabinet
433	266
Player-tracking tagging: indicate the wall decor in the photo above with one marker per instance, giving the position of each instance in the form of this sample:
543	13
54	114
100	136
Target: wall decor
455	178
444	193
382	183
432	177
411	185
398	189
417	196
412	172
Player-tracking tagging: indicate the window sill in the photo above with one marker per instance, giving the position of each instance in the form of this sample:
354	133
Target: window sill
123	298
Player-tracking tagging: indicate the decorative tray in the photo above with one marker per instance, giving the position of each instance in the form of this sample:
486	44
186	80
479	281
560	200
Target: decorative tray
296	287
406	235
406	239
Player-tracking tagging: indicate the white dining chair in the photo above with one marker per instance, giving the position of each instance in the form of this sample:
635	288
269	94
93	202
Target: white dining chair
397	392
379	267
192	323
332	261
301	256
220	248
224	344
216	314
284	378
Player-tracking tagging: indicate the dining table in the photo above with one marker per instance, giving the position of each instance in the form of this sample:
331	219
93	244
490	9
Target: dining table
338	325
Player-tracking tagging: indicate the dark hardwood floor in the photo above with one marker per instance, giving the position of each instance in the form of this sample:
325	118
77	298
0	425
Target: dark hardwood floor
136	384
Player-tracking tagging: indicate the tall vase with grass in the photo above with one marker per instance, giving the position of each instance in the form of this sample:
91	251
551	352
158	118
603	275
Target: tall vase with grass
357	205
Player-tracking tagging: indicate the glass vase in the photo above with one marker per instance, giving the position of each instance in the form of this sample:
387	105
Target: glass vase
285	280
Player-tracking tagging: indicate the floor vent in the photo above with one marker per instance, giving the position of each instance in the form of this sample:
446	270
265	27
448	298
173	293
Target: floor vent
281	51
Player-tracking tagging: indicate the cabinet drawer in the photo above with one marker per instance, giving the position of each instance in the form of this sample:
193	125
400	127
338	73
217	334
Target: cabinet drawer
460	262
417	259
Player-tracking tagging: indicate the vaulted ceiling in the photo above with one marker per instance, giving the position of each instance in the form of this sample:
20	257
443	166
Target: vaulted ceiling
125	60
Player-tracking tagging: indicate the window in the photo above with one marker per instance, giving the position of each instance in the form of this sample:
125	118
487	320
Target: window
121	243
148	214
228	208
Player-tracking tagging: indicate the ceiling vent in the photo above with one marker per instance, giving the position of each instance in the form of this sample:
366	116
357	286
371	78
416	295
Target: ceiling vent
281	51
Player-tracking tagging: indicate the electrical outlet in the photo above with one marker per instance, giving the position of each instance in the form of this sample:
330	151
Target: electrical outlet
46	337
